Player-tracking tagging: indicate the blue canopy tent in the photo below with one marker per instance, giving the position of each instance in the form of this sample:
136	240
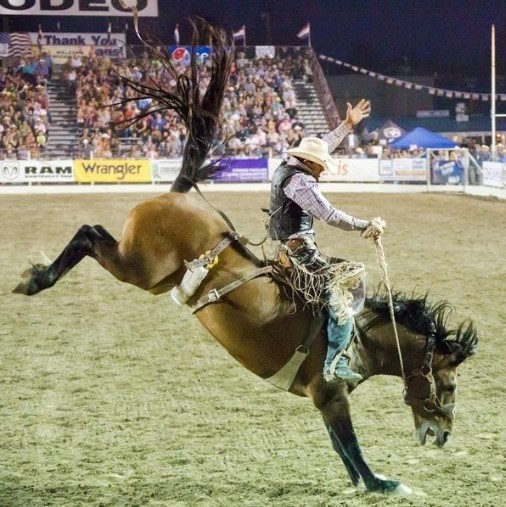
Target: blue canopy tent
422	138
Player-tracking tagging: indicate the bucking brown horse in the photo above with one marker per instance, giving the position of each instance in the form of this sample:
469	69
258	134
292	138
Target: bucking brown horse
241	303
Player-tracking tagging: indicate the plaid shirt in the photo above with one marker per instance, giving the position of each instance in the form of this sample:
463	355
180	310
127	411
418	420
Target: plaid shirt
303	189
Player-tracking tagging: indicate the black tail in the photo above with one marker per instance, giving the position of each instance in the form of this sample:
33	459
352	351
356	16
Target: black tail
198	109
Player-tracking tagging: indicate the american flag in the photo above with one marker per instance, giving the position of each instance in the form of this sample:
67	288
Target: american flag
15	44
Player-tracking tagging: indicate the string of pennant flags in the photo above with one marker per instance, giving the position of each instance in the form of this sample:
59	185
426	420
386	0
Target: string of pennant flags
440	92
305	33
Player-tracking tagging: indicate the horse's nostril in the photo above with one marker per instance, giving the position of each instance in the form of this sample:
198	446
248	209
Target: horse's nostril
446	436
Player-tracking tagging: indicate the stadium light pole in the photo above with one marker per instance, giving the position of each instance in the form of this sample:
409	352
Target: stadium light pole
492	90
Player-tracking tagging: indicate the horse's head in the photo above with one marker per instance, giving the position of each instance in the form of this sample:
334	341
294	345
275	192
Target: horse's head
431	354
431	389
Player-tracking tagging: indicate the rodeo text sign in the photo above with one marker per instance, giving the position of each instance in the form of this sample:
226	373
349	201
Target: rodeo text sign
75	8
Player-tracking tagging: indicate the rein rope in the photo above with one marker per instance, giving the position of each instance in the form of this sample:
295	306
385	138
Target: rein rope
386	280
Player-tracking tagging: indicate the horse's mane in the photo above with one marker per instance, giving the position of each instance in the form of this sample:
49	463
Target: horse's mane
198	106
420	316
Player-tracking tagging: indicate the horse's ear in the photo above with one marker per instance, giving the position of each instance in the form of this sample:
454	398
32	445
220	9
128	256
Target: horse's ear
465	343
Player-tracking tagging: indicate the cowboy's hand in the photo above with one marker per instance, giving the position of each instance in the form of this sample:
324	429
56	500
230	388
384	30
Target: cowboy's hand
356	114
375	228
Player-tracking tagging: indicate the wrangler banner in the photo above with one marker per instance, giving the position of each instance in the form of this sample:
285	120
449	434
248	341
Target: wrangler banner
112	171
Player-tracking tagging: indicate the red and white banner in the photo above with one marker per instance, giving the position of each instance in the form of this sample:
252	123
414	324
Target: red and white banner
241	33
304	32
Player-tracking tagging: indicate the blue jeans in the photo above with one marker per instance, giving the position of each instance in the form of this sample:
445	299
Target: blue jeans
338	336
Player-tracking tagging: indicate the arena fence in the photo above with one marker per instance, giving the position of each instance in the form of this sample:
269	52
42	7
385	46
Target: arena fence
405	174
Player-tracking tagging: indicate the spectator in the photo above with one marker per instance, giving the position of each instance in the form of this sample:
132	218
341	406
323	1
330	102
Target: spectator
260	95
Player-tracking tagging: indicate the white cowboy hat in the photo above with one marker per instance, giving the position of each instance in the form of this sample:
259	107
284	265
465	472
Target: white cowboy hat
315	150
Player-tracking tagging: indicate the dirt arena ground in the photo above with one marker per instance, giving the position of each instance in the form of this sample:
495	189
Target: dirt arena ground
113	397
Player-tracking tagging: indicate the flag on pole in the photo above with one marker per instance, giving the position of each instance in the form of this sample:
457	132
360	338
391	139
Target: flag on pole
176	34
15	44
109	31
5	40
304	32
241	33
39	37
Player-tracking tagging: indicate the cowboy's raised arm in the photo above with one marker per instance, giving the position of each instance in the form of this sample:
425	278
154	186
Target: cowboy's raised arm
354	115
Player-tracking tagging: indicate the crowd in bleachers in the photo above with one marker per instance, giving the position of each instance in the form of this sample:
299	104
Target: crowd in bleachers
259	112
259	116
24	109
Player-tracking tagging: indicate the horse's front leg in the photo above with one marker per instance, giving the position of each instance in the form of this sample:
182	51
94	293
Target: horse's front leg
334	407
95	242
350	468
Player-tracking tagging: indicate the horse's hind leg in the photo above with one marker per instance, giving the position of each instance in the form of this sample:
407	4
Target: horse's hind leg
95	242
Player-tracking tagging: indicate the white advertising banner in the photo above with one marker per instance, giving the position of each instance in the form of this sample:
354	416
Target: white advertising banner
166	170
403	169
11	172
348	169
104	8
61	45
36	171
272	163
494	174
353	169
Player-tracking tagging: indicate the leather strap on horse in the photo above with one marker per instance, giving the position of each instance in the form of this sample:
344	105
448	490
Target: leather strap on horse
283	378
216	294
209	256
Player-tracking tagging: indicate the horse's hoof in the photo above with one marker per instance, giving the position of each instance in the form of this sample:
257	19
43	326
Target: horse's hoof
20	288
361	486
402	490
389	487
25	287
29	284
